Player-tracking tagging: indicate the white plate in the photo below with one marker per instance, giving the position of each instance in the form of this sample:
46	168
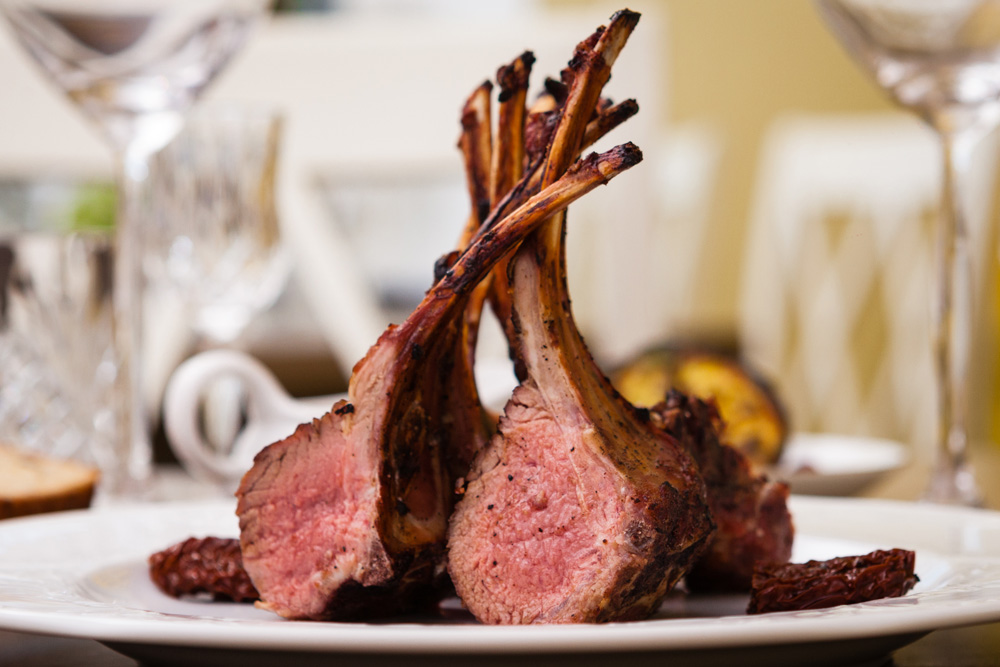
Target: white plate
823	464
83	574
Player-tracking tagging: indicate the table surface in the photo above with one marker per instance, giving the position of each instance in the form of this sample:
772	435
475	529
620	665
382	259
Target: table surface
962	647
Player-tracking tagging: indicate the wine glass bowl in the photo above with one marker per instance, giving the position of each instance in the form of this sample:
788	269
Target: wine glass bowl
144	63
941	60
930	56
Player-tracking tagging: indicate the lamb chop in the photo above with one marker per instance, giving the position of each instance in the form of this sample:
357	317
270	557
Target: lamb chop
750	511
346	518
579	509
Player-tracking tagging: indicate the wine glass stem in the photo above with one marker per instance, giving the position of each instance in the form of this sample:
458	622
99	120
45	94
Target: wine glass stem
952	480
133	168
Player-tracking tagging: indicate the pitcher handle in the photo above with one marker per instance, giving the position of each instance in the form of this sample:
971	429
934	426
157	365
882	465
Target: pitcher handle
272	414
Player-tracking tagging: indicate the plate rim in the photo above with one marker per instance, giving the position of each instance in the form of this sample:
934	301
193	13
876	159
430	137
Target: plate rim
883	618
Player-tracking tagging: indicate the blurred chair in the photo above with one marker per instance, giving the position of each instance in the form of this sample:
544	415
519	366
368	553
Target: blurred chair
836	296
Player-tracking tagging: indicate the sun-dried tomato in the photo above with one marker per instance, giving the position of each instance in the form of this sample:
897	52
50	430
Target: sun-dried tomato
210	565
820	584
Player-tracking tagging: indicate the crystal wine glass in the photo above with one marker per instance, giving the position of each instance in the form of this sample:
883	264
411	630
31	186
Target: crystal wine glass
134	69
940	59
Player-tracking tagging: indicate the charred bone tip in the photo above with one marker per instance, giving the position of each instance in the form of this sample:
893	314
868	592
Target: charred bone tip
626	14
514	77
610	163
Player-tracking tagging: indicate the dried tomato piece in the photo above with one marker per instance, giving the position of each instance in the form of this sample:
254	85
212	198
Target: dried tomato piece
821	584
211	565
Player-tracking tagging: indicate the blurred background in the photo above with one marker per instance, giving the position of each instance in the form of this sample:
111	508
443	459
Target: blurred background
783	211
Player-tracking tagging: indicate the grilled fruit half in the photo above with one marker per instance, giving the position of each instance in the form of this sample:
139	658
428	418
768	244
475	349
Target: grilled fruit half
754	418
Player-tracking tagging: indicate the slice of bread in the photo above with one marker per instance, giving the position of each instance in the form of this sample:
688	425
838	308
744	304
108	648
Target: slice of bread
31	483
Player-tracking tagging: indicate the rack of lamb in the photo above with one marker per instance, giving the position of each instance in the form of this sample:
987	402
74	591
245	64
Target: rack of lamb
571	506
346	518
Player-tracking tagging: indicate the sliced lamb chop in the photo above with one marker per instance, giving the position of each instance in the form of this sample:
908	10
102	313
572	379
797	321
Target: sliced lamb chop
751	512
579	509
345	518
